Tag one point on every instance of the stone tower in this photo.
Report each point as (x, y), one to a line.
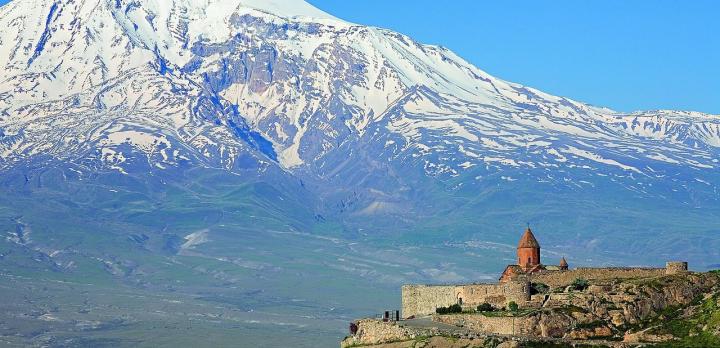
(676, 267)
(528, 251)
(563, 264)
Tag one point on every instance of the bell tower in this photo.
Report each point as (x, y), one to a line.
(528, 251)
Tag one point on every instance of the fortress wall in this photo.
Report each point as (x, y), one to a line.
(424, 299)
(497, 295)
(562, 278)
(418, 300)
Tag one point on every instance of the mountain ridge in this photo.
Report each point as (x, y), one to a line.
(375, 123)
(403, 74)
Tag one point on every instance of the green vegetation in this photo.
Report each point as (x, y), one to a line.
(580, 284)
(559, 290)
(456, 308)
(539, 288)
(513, 306)
(656, 283)
(694, 330)
(486, 307)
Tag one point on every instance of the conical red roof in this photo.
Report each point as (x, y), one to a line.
(563, 262)
(528, 240)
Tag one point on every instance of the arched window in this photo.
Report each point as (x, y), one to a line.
(529, 262)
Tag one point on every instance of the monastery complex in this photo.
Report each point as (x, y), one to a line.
(515, 283)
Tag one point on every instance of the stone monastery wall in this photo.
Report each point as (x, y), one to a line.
(419, 300)
(562, 278)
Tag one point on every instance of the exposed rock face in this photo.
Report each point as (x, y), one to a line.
(371, 331)
(489, 325)
(631, 302)
(447, 342)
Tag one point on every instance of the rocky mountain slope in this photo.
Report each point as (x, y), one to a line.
(307, 86)
(377, 126)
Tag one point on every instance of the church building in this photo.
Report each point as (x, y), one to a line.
(528, 259)
(515, 282)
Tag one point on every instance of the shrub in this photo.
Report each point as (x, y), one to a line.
(456, 308)
(539, 288)
(485, 307)
(580, 284)
(513, 306)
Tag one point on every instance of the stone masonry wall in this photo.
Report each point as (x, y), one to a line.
(420, 300)
(562, 278)
(497, 295)
(676, 267)
(423, 299)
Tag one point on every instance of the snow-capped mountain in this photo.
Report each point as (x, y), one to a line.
(163, 159)
(131, 85)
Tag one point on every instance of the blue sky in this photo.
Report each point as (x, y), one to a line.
(627, 55)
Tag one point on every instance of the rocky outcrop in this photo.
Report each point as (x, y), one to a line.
(627, 312)
(371, 331)
(448, 342)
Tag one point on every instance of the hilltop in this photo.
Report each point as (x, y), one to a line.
(681, 310)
